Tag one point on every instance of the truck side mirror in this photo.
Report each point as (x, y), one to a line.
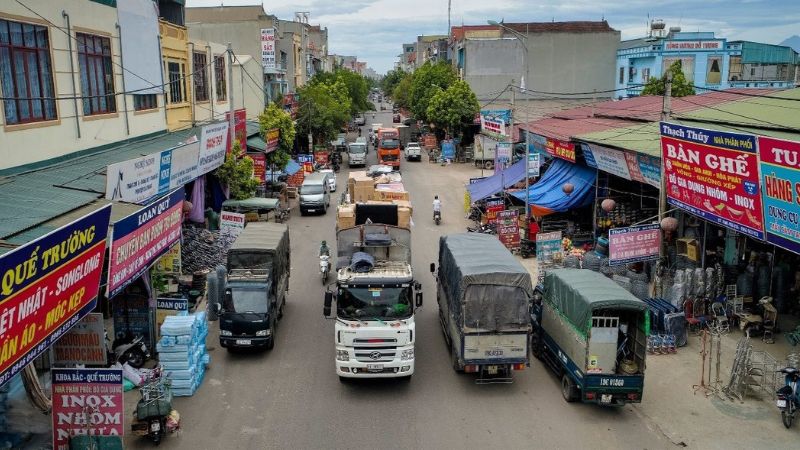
(433, 267)
(417, 286)
(326, 309)
(419, 299)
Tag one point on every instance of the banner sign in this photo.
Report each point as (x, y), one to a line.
(231, 223)
(170, 262)
(560, 149)
(47, 286)
(534, 164)
(644, 169)
(493, 126)
(169, 307)
(239, 129)
(681, 46)
(609, 160)
(259, 166)
(548, 246)
(213, 140)
(508, 228)
(268, 49)
(307, 161)
(502, 156)
(448, 150)
(143, 237)
(322, 157)
(633, 244)
(714, 175)
(140, 179)
(494, 206)
(86, 401)
(83, 344)
(475, 180)
(273, 140)
(780, 172)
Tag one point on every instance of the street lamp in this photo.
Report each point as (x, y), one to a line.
(523, 39)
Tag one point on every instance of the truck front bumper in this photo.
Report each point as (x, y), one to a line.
(244, 342)
(386, 369)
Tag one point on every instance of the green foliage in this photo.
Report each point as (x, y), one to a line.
(453, 107)
(400, 95)
(427, 80)
(357, 87)
(680, 87)
(237, 173)
(324, 108)
(275, 117)
(391, 79)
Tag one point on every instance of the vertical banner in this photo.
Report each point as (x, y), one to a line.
(502, 156)
(508, 228)
(633, 244)
(780, 178)
(141, 238)
(239, 129)
(86, 401)
(448, 150)
(273, 140)
(213, 140)
(548, 246)
(268, 49)
(83, 344)
(231, 223)
(714, 175)
(534, 164)
(494, 206)
(259, 166)
(47, 286)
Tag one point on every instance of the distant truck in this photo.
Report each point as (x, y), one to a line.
(484, 297)
(405, 135)
(389, 147)
(254, 293)
(357, 153)
(593, 334)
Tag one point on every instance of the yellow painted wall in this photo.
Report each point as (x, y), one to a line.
(174, 48)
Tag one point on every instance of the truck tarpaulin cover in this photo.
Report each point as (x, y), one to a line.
(258, 244)
(362, 262)
(577, 293)
(547, 196)
(496, 183)
(481, 275)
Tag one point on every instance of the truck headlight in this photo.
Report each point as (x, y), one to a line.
(225, 333)
(263, 333)
(406, 355)
(342, 355)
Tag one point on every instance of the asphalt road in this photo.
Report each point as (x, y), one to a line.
(290, 397)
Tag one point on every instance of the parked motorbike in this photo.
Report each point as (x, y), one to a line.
(127, 349)
(527, 248)
(437, 217)
(788, 401)
(324, 267)
(485, 228)
(154, 415)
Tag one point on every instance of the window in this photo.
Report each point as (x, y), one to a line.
(735, 70)
(200, 78)
(621, 75)
(645, 74)
(177, 83)
(219, 76)
(142, 102)
(26, 73)
(714, 73)
(97, 74)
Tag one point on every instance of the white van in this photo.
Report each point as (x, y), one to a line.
(315, 194)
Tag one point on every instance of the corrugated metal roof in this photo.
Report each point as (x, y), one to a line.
(564, 129)
(766, 112)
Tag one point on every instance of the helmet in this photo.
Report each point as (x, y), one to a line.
(436, 197)
(324, 243)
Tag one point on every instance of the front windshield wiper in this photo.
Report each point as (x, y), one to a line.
(251, 312)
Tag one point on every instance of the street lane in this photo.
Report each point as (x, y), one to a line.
(291, 397)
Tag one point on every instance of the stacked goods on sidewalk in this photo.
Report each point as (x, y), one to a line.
(384, 189)
(182, 351)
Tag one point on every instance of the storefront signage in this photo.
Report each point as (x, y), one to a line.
(494, 206)
(268, 49)
(560, 149)
(83, 344)
(169, 307)
(644, 169)
(213, 139)
(714, 175)
(141, 179)
(170, 262)
(494, 122)
(307, 161)
(534, 164)
(259, 166)
(508, 228)
(502, 156)
(86, 401)
(609, 160)
(231, 223)
(273, 139)
(780, 172)
(322, 157)
(678, 46)
(47, 286)
(633, 244)
(141, 238)
(239, 128)
(548, 246)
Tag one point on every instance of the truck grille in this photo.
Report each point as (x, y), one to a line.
(375, 354)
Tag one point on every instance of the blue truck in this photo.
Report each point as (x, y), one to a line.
(593, 334)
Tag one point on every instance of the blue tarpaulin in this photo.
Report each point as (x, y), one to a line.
(547, 195)
(496, 183)
(292, 167)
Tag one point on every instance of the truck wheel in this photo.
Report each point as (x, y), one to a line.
(568, 389)
(536, 346)
(212, 296)
(271, 342)
(454, 359)
(488, 165)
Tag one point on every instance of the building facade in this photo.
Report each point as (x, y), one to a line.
(706, 61)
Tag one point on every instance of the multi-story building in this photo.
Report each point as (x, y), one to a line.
(408, 59)
(706, 61)
(563, 57)
(428, 48)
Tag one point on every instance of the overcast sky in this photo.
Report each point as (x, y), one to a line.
(374, 30)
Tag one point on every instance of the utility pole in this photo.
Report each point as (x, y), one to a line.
(662, 194)
(448, 17)
(231, 119)
(527, 163)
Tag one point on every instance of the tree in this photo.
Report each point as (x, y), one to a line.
(324, 108)
(453, 107)
(680, 87)
(357, 87)
(275, 117)
(237, 173)
(401, 91)
(427, 80)
(390, 80)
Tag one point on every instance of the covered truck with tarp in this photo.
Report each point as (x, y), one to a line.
(484, 297)
(593, 334)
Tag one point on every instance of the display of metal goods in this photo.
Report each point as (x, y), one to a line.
(203, 250)
(622, 214)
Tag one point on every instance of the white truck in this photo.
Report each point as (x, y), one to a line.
(357, 153)
(376, 300)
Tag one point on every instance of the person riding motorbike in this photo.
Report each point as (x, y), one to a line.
(324, 250)
(437, 205)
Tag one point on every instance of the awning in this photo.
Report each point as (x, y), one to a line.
(497, 182)
(292, 167)
(256, 143)
(250, 204)
(547, 196)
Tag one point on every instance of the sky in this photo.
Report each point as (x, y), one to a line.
(374, 30)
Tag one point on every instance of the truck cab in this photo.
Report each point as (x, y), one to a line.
(357, 154)
(389, 147)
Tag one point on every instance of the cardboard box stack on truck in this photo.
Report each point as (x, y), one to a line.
(484, 297)
(253, 293)
(389, 147)
(593, 334)
(376, 299)
(381, 190)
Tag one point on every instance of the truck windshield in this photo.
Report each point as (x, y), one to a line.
(247, 300)
(390, 143)
(374, 303)
(495, 308)
(357, 149)
(307, 189)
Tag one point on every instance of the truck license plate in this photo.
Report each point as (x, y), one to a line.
(492, 370)
(312, 210)
(781, 403)
(243, 342)
(605, 398)
(155, 426)
(374, 367)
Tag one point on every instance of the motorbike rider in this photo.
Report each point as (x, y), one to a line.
(437, 205)
(324, 250)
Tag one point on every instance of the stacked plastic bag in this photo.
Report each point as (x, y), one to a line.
(182, 351)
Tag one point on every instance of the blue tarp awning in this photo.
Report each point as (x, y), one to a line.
(496, 183)
(292, 167)
(547, 196)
